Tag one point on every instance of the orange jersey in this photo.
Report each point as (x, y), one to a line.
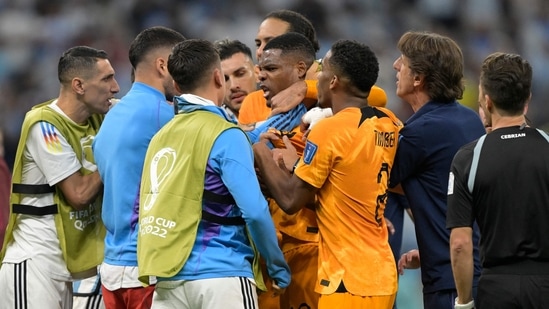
(348, 157)
(254, 107)
(301, 225)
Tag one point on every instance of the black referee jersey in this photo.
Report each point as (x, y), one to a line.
(502, 182)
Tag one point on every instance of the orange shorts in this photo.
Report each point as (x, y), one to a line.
(348, 300)
(302, 257)
(266, 300)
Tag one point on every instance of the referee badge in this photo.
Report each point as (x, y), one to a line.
(451, 184)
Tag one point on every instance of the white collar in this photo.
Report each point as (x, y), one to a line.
(194, 99)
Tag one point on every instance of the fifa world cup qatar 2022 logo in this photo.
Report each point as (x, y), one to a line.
(161, 166)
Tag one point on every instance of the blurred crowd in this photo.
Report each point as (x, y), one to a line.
(33, 34)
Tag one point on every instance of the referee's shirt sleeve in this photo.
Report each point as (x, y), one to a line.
(460, 200)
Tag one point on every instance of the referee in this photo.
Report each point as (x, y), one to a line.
(501, 181)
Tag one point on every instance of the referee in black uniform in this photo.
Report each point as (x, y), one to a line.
(501, 182)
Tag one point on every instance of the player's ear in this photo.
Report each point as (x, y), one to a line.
(219, 78)
(161, 65)
(302, 69)
(334, 82)
(77, 85)
(177, 88)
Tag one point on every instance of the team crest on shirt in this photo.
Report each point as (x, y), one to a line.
(309, 152)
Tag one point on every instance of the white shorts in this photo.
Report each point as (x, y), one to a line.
(87, 294)
(227, 293)
(88, 302)
(24, 285)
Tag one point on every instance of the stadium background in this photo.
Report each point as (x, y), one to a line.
(33, 34)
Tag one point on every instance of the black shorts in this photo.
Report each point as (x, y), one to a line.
(504, 291)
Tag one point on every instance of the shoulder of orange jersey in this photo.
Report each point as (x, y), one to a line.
(254, 108)
(377, 97)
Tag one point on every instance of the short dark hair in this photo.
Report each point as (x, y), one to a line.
(507, 79)
(191, 63)
(150, 39)
(293, 43)
(355, 61)
(298, 23)
(439, 59)
(78, 61)
(227, 48)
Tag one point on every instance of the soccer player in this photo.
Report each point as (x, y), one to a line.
(119, 149)
(55, 234)
(255, 107)
(285, 60)
(238, 69)
(201, 207)
(346, 165)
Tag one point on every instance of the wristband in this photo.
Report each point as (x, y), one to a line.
(469, 305)
(295, 165)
